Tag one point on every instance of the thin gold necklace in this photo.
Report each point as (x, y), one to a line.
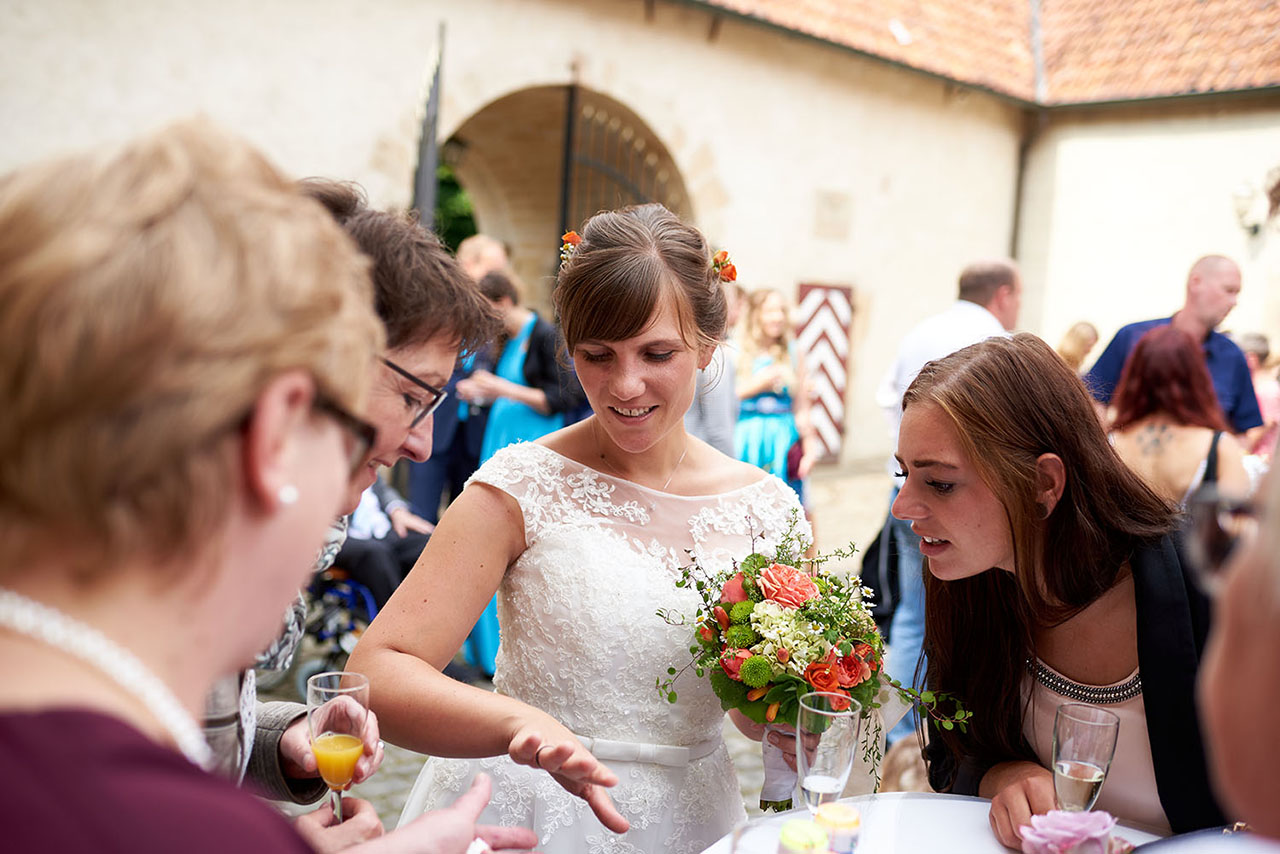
(605, 460)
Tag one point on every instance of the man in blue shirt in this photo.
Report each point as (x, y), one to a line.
(1213, 286)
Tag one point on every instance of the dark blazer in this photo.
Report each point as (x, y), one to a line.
(1173, 624)
(543, 369)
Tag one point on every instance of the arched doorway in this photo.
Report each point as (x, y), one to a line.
(510, 157)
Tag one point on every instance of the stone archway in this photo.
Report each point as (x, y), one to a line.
(509, 156)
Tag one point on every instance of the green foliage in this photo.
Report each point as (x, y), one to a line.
(731, 692)
(455, 218)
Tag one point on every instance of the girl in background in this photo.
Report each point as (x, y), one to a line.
(773, 431)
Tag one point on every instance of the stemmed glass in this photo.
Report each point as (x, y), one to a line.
(1220, 521)
(827, 727)
(337, 708)
(1084, 741)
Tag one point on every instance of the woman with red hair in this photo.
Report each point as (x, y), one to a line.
(1168, 426)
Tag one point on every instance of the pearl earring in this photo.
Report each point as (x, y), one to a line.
(287, 494)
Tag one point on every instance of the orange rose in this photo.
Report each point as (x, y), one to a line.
(787, 586)
(571, 237)
(821, 676)
(720, 257)
(851, 670)
(856, 667)
(728, 273)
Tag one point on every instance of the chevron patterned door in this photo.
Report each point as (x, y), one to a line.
(823, 321)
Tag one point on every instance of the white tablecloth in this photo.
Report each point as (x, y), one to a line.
(902, 822)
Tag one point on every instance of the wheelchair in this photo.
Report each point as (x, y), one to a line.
(339, 609)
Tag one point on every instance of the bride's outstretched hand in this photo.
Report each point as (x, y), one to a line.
(572, 766)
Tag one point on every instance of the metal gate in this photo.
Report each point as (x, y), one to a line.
(611, 160)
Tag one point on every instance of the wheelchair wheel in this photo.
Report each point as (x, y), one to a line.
(306, 670)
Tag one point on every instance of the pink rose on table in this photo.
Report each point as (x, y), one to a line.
(1061, 832)
(732, 660)
(787, 586)
(733, 591)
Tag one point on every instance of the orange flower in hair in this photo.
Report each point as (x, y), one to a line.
(726, 271)
(569, 243)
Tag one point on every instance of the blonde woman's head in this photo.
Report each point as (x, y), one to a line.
(147, 296)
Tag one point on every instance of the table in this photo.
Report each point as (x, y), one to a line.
(902, 822)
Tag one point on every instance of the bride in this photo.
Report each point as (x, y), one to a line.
(581, 534)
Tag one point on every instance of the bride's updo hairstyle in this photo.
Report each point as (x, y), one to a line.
(629, 260)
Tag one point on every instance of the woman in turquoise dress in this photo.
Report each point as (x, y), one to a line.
(774, 414)
(531, 392)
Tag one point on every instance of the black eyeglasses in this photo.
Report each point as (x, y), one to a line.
(364, 433)
(420, 408)
(1220, 525)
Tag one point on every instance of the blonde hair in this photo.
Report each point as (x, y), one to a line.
(147, 296)
(1076, 344)
(753, 343)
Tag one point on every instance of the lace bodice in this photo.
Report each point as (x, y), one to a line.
(581, 638)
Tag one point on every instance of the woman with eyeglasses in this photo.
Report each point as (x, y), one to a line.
(430, 310)
(1053, 574)
(184, 341)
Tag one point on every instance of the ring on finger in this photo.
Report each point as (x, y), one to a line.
(537, 752)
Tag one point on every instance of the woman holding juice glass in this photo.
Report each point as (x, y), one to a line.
(184, 343)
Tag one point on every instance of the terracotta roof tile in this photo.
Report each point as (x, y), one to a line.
(981, 42)
(1094, 50)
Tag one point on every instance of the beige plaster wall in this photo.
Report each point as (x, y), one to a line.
(811, 164)
(1121, 201)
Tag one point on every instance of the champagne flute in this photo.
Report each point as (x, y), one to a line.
(1220, 522)
(827, 727)
(337, 708)
(1084, 741)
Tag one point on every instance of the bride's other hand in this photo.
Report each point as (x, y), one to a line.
(572, 766)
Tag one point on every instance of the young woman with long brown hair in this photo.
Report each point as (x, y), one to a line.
(1051, 575)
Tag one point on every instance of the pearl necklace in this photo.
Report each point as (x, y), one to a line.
(605, 460)
(50, 626)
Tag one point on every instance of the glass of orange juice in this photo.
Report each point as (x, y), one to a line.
(337, 708)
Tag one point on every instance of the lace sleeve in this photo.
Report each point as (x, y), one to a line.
(532, 475)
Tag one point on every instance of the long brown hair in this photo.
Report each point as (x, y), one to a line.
(1166, 373)
(1013, 400)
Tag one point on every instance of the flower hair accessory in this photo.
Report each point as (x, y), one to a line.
(569, 246)
(720, 263)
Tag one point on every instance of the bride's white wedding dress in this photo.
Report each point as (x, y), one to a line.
(581, 640)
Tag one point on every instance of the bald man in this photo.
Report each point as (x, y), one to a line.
(1213, 286)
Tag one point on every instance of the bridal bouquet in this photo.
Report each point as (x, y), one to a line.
(776, 627)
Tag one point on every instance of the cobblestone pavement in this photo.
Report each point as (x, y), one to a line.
(848, 504)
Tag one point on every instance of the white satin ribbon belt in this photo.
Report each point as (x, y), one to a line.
(655, 754)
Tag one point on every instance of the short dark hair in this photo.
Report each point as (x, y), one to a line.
(420, 291)
(627, 261)
(981, 279)
(496, 284)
